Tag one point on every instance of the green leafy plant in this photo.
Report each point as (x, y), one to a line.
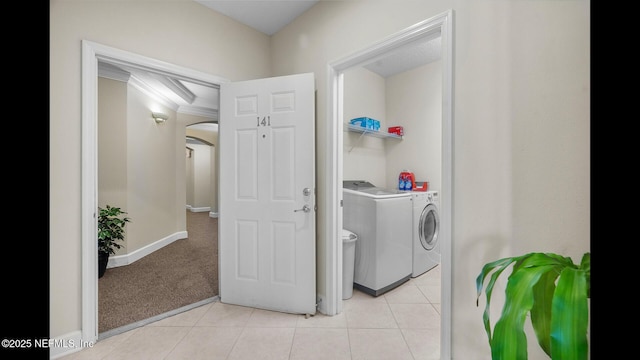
(554, 291)
(111, 224)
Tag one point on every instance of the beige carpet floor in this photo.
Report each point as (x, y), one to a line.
(180, 274)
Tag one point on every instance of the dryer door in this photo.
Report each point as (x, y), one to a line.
(429, 227)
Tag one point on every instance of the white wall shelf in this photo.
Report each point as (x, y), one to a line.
(369, 132)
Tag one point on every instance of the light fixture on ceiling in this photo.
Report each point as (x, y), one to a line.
(159, 117)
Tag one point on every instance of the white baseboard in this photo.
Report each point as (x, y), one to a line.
(198, 209)
(121, 260)
(213, 214)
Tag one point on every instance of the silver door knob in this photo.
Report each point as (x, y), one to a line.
(305, 208)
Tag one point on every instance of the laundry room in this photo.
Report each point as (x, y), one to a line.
(393, 129)
(403, 90)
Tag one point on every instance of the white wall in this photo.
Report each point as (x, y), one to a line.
(189, 174)
(112, 145)
(201, 176)
(414, 101)
(135, 164)
(521, 125)
(151, 173)
(364, 156)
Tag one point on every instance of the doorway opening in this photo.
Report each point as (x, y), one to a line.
(92, 54)
(438, 26)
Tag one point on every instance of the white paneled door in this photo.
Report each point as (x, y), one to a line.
(267, 194)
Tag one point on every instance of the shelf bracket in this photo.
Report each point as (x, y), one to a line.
(357, 141)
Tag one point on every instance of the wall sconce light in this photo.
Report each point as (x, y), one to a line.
(159, 117)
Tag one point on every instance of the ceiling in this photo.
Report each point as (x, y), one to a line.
(265, 16)
(191, 97)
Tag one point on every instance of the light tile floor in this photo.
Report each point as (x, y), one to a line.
(403, 323)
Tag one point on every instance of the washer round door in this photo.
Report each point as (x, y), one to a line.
(429, 227)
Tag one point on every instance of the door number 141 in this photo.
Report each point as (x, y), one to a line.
(266, 121)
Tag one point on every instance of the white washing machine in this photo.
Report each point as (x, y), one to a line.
(382, 219)
(426, 231)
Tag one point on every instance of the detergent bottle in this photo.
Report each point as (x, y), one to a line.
(401, 182)
(407, 181)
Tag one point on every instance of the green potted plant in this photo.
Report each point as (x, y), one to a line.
(554, 291)
(111, 224)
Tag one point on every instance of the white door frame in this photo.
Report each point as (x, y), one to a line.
(91, 54)
(442, 23)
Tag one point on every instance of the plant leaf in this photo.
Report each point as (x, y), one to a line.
(509, 340)
(541, 310)
(501, 265)
(531, 288)
(569, 316)
(585, 265)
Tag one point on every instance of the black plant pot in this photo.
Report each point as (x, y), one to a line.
(103, 259)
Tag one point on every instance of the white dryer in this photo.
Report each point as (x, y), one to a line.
(426, 230)
(382, 219)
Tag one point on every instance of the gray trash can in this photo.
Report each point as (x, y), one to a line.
(348, 262)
